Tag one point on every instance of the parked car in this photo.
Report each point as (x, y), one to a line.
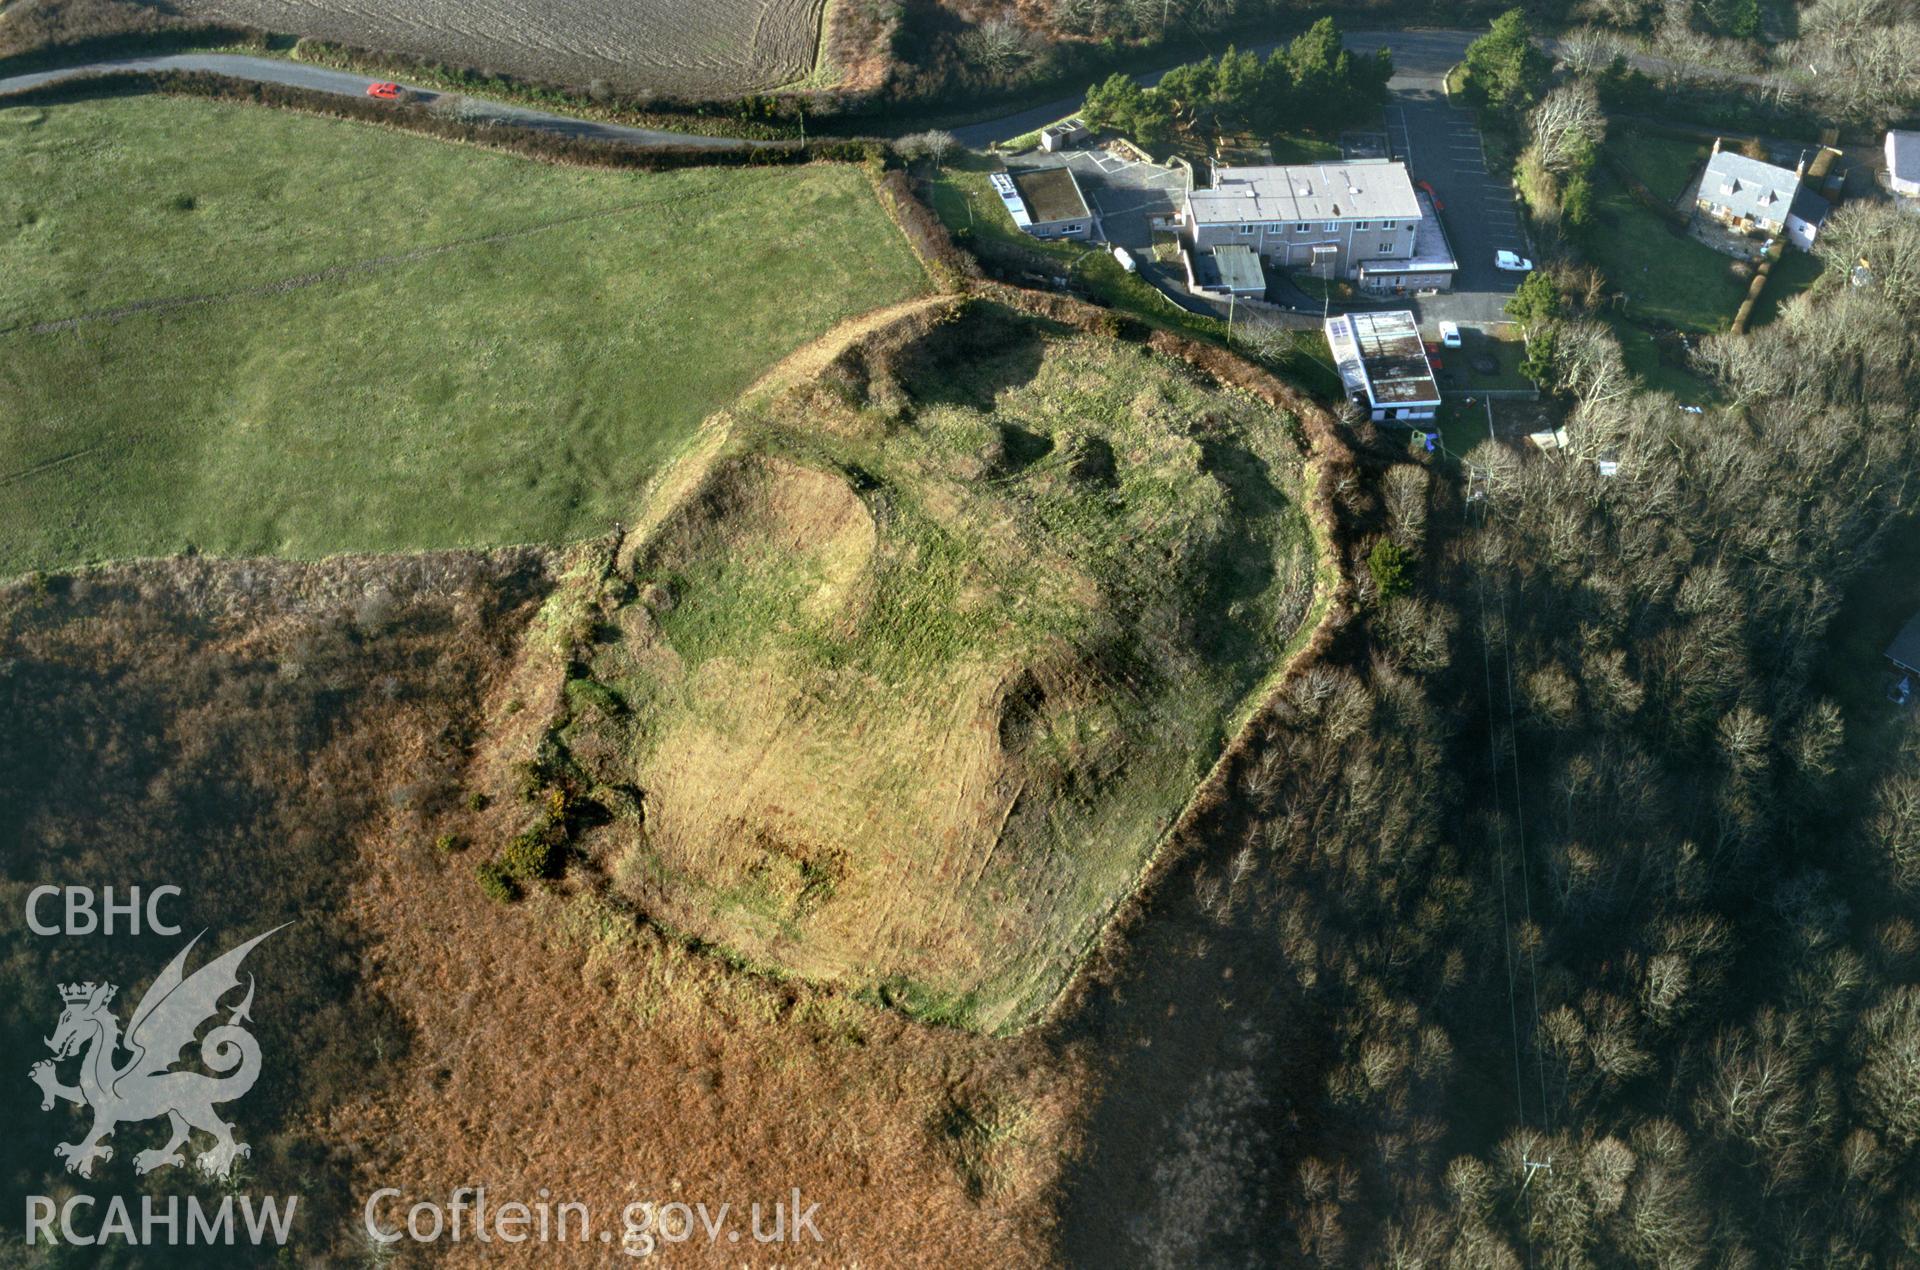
(1450, 334)
(385, 92)
(1512, 263)
(1427, 189)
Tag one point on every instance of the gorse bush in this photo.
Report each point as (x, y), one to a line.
(494, 883)
(528, 856)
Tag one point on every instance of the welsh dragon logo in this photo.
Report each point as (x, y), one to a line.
(145, 1086)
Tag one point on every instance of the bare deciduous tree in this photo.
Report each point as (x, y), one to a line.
(933, 145)
(1587, 51)
(1888, 1084)
(1567, 124)
(999, 44)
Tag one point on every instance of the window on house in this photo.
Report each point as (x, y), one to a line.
(1386, 247)
(1360, 224)
(1333, 226)
(1300, 229)
(1246, 229)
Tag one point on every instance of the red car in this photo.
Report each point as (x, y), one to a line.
(385, 92)
(1438, 206)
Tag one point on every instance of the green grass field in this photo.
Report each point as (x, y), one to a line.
(1662, 366)
(504, 350)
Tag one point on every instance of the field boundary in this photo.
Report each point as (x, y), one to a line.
(823, 75)
(502, 136)
(666, 114)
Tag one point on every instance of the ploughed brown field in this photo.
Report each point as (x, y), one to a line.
(691, 48)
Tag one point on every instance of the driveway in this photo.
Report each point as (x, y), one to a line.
(1441, 146)
(348, 84)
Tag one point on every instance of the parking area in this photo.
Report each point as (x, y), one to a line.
(1441, 146)
(1126, 192)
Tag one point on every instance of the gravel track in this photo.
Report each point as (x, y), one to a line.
(703, 48)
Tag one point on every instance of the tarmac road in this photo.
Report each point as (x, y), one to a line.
(1421, 59)
(348, 84)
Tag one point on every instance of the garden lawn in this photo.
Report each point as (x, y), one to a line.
(494, 350)
(1664, 164)
(1667, 277)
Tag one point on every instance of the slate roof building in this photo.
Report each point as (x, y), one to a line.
(1904, 652)
(1749, 194)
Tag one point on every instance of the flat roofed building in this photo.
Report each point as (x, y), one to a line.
(1431, 266)
(1229, 270)
(1383, 364)
(1322, 218)
(1054, 206)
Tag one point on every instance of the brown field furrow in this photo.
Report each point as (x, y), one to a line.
(682, 47)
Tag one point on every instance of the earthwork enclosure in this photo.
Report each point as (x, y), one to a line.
(905, 671)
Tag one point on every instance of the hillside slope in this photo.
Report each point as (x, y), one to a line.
(906, 669)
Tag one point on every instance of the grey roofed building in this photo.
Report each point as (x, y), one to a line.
(1903, 162)
(1735, 188)
(1229, 270)
(1904, 651)
(1354, 189)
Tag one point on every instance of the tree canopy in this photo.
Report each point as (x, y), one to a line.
(1504, 67)
(1313, 84)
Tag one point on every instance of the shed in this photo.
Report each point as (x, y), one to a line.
(1904, 651)
(1064, 135)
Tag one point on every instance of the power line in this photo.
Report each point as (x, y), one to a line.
(1500, 862)
(1520, 828)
